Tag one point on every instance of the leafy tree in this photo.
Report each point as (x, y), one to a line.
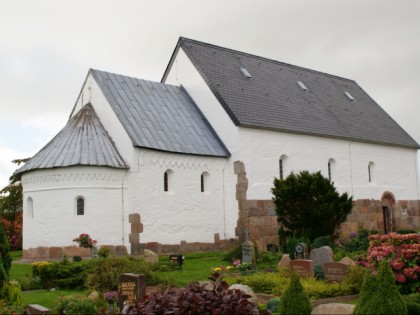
(5, 257)
(307, 204)
(11, 203)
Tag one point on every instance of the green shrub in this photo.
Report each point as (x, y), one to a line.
(358, 243)
(12, 293)
(379, 294)
(291, 243)
(106, 271)
(233, 254)
(319, 272)
(295, 301)
(273, 305)
(103, 252)
(322, 241)
(406, 231)
(5, 257)
(413, 297)
(269, 257)
(354, 279)
(264, 282)
(412, 308)
(77, 258)
(84, 307)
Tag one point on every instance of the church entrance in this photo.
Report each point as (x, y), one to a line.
(387, 202)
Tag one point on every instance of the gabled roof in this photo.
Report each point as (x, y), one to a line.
(273, 99)
(159, 116)
(83, 141)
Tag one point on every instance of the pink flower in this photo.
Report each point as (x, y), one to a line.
(397, 265)
(400, 278)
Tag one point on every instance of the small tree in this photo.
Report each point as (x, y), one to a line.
(307, 204)
(11, 204)
(294, 300)
(379, 294)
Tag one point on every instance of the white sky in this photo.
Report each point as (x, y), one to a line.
(47, 47)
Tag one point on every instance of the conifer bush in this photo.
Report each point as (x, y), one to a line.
(379, 294)
(294, 300)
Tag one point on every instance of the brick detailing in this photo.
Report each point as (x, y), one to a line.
(368, 214)
(134, 238)
(257, 217)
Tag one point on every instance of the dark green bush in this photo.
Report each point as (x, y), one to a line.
(322, 241)
(106, 271)
(273, 305)
(294, 300)
(77, 258)
(319, 272)
(103, 252)
(354, 279)
(413, 297)
(379, 294)
(233, 254)
(406, 231)
(78, 307)
(5, 257)
(413, 308)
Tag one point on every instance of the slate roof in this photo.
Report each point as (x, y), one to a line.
(272, 98)
(83, 141)
(159, 116)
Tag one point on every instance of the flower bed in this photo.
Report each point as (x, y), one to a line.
(403, 253)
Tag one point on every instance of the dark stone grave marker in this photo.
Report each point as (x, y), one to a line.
(301, 251)
(131, 287)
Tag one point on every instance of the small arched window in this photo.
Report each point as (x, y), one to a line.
(30, 207)
(331, 169)
(282, 162)
(371, 172)
(204, 182)
(167, 180)
(80, 206)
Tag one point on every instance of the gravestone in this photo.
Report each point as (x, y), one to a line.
(321, 255)
(303, 267)
(248, 253)
(131, 287)
(301, 251)
(335, 271)
(347, 261)
(284, 261)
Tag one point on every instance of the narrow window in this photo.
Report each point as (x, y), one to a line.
(329, 171)
(30, 207)
(80, 206)
(281, 168)
(202, 182)
(165, 182)
(371, 172)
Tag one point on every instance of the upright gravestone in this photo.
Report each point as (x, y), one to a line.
(131, 287)
(321, 255)
(301, 251)
(248, 253)
(303, 267)
(335, 271)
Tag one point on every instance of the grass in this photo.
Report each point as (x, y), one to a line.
(49, 298)
(16, 254)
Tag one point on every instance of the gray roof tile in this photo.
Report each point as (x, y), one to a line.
(83, 141)
(272, 99)
(159, 116)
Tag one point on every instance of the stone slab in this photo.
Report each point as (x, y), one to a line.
(335, 271)
(36, 309)
(321, 255)
(334, 308)
(303, 267)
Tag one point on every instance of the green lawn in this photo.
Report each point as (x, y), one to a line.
(49, 298)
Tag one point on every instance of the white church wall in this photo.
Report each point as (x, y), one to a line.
(395, 168)
(50, 216)
(183, 212)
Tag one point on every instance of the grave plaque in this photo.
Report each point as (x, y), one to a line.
(131, 287)
(248, 253)
(301, 251)
(335, 271)
(303, 267)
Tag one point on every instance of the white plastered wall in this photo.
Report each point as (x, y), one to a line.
(53, 219)
(395, 169)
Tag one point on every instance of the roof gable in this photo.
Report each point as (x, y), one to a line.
(273, 99)
(159, 116)
(83, 141)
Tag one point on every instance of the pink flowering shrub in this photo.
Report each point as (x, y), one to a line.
(402, 251)
(84, 240)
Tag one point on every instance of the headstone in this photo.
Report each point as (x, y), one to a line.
(131, 288)
(321, 255)
(301, 251)
(284, 261)
(335, 271)
(347, 261)
(36, 309)
(334, 308)
(150, 256)
(303, 267)
(248, 253)
(245, 290)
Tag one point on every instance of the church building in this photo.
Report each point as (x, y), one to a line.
(188, 163)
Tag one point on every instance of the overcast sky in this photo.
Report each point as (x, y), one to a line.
(47, 48)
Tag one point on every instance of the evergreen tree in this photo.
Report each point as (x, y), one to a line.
(308, 204)
(294, 300)
(379, 294)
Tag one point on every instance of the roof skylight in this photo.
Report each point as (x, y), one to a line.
(349, 96)
(302, 86)
(246, 74)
